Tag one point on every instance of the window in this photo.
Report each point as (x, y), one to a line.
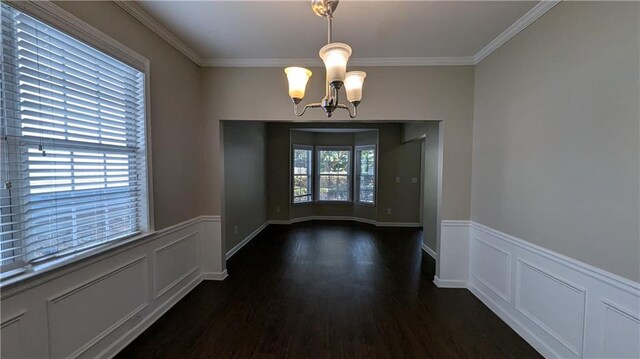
(365, 174)
(73, 151)
(334, 174)
(302, 174)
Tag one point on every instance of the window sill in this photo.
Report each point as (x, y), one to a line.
(22, 275)
(365, 204)
(335, 202)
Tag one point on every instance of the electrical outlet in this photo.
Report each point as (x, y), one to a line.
(414, 179)
(277, 209)
(235, 230)
(397, 179)
(388, 210)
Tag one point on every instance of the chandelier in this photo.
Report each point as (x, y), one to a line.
(335, 56)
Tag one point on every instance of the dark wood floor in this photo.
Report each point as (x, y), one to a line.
(329, 290)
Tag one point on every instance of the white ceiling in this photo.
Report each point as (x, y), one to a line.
(258, 30)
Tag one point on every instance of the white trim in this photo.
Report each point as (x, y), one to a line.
(34, 278)
(574, 322)
(210, 218)
(455, 223)
(448, 283)
(619, 282)
(527, 19)
(160, 292)
(345, 218)
(215, 275)
(527, 335)
(252, 235)
(124, 340)
(279, 221)
(398, 224)
(136, 11)
(36, 299)
(12, 319)
(429, 251)
(68, 292)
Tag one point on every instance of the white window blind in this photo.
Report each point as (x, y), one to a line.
(73, 162)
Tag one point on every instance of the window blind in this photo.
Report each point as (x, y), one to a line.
(73, 162)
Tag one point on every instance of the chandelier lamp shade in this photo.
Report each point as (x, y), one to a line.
(335, 56)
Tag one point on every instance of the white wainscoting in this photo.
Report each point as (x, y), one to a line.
(453, 268)
(96, 306)
(564, 308)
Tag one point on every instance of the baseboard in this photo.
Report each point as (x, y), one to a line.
(429, 251)
(239, 246)
(446, 283)
(279, 221)
(345, 218)
(128, 337)
(215, 275)
(398, 224)
(529, 337)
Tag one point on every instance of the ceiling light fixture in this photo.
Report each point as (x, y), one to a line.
(335, 56)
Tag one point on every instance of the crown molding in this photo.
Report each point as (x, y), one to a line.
(360, 62)
(137, 12)
(261, 62)
(527, 19)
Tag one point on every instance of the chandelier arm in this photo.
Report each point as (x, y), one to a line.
(355, 110)
(311, 105)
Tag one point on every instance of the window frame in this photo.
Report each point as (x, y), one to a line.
(356, 177)
(311, 176)
(54, 16)
(349, 174)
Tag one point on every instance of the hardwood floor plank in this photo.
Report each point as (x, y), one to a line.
(329, 290)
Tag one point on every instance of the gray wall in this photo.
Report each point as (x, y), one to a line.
(556, 135)
(245, 178)
(427, 133)
(176, 117)
(395, 159)
(430, 183)
(417, 93)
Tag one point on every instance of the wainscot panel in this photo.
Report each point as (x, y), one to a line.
(94, 307)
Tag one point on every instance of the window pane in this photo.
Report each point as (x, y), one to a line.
(301, 161)
(302, 175)
(366, 170)
(367, 162)
(301, 188)
(367, 188)
(334, 188)
(334, 162)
